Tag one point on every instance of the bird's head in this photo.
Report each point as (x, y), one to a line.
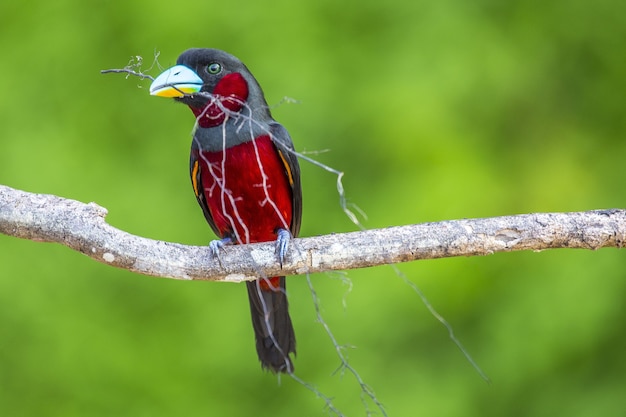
(211, 82)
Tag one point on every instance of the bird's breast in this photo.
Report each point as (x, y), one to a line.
(246, 189)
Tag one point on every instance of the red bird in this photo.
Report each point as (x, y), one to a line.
(245, 176)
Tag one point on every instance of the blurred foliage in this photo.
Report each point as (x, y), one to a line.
(433, 109)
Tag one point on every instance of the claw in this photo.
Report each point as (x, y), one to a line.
(282, 244)
(216, 245)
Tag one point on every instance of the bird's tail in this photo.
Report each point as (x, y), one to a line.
(273, 331)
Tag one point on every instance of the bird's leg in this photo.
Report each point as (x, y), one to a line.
(282, 244)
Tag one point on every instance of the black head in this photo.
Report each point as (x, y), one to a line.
(214, 66)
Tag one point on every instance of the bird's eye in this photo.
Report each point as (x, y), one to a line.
(214, 68)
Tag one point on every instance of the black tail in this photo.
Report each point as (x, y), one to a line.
(273, 331)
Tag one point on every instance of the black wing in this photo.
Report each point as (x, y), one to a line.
(286, 150)
(198, 190)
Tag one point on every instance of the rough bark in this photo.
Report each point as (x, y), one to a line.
(82, 227)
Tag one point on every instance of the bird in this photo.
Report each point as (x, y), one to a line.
(245, 175)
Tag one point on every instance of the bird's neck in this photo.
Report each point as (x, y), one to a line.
(229, 96)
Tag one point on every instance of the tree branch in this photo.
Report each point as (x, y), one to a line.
(82, 227)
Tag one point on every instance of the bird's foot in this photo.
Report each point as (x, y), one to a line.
(216, 245)
(282, 244)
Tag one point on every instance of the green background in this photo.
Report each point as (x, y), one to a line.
(434, 110)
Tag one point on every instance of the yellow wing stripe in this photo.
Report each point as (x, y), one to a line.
(194, 177)
(287, 167)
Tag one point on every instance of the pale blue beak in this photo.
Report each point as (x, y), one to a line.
(176, 82)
